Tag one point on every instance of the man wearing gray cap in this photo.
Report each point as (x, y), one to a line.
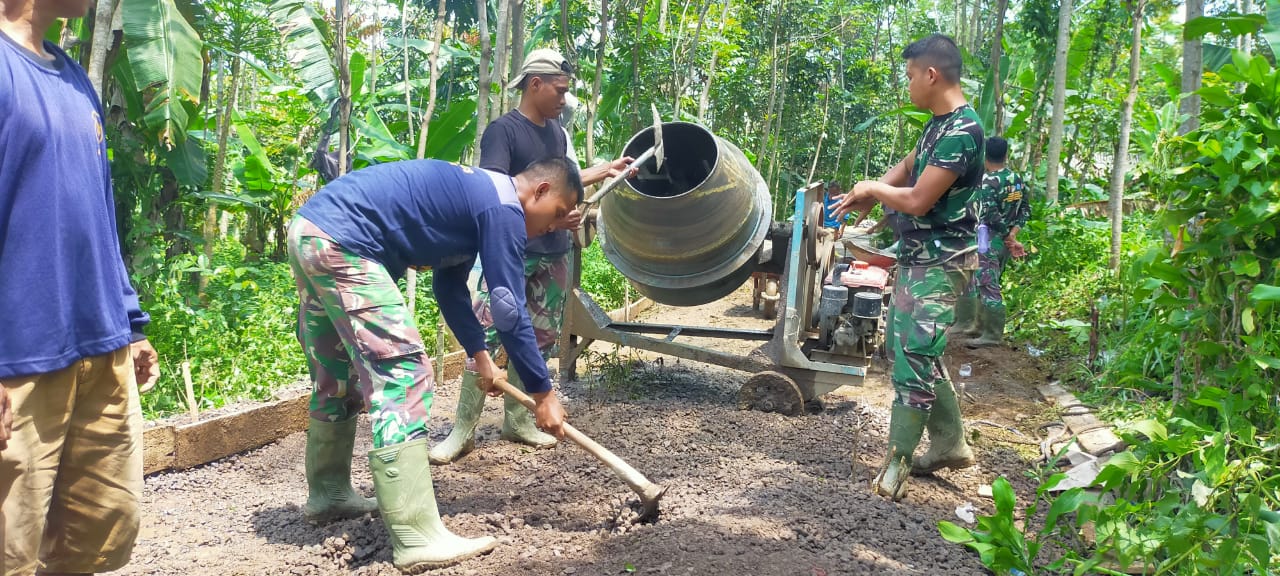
(519, 138)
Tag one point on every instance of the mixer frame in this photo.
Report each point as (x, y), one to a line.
(789, 374)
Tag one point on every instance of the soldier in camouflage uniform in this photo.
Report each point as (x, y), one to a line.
(524, 135)
(1004, 208)
(932, 190)
(347, 247)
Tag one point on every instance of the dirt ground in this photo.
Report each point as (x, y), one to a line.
(750, 493)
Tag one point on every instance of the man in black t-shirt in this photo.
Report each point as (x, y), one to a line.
(509, 144)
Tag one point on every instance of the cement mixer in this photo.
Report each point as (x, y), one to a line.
(695, 230)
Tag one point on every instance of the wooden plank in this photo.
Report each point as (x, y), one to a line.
(157, 449)
(222, 436)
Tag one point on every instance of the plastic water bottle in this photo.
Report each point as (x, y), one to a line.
(984, 239)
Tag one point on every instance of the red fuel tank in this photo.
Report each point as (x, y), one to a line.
(864, 275)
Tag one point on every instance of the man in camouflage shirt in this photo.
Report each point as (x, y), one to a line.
(933, 191)
(1003, 207)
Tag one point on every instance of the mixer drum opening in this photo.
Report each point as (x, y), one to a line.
(689, 233)
(690, 153)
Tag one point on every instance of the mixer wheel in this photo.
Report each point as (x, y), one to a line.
(771, 392)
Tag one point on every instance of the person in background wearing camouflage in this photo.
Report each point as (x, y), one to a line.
(347, 246)
(933, 191)
(1003, 207)
(524, 135)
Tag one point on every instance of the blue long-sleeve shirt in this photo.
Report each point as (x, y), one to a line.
(64, 291)
(437, 214)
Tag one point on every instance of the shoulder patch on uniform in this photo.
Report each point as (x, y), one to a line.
(505, 309)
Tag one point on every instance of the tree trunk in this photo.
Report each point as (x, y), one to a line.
(767, 124)
(705, 101)
(635, 68)
(693, 59)
(517, 47)
(501, 49)
(997, 54)
(1119, 167)
(566, 47)
(344, 85)
(219, 169)
(595, 83)
(411, 277)
(103, 35)
(826, 109)
(408, 92)
(437, 38)
(486, 53)
(1246, 40)
(1037, 122)
(1192, 71)
(1059, 101)
(662, 17)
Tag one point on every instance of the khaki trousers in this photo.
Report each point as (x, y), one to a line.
(72, 473)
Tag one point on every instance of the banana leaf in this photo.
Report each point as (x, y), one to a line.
(165, 65)
(307, 48)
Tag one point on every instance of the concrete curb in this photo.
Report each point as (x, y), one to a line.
(182, 446)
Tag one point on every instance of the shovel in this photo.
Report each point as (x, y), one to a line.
(656, 152)
(648, 492)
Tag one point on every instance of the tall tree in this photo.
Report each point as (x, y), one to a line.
(1120, 166)
(501, 49)
(437, 38)
(593, 105)
(483, 79)
(344, 84)
(517, 47)
(705, 99)
(1192, 71)
(997, 54)
(103, 34)
(1059, 101)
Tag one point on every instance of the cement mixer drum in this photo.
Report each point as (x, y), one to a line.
(688, 234)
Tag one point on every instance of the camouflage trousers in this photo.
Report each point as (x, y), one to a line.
(352, 315)
(545, 282)
(924, 305)
(990, 268)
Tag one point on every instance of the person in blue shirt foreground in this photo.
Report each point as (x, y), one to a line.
(73, 358)
(347, 246)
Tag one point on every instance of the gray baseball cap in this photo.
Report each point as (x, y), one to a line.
(542, 61)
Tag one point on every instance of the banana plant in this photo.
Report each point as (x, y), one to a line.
(160, 69)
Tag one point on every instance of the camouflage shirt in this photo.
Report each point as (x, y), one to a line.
(1002, 203)
(955, 142)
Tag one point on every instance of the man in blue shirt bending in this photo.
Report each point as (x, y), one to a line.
(347, 247)
(72, 353)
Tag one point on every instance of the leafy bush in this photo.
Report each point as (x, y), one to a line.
(1199, 338)
(239, 340)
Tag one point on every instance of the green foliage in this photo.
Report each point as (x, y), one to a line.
(239, 341)
(1001, 545)
(160, 70)
(1197, 335)
(600, 279)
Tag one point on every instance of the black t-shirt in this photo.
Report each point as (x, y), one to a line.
(509, 145)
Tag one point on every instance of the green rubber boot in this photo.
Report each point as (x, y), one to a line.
(462, 439)
(518, 424)
(328, 464)
(948, 447)
(407, 499)
(992, 328)
(906, 425)
(967, 309)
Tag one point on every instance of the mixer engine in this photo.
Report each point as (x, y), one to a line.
(851, 310)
